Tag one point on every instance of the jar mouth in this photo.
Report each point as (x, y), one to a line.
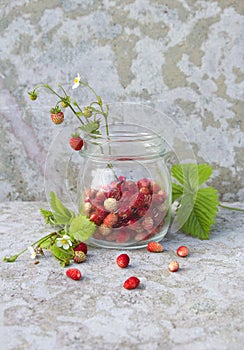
(128, 141)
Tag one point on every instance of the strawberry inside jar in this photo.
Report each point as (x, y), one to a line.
(127, 211)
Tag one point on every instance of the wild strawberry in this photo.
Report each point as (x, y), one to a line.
(76, 143)
(155, 247)
(147, 224)
(74, 273)
(155, 187)
(182, 251)
(81, 246)
(173, 266)
(131, 283)
(121, 178)
(110, 220)
(79, 256)
(141, 236)
(104, 230)
(124, 211)
(110, 204)
(57, 115)
(123, 260)
(115, 193)
(96, 218)
(100, 197)
(144, 190)
(143, 183)
(87, 208)
(122, 237)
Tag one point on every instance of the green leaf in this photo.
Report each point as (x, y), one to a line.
(204, 173)
(191, 175)
(61, 214)
(91, 127)
(198, 206)
(177, 191)
(64, 256)
(48, 216)
(81, 228)
(203, 214)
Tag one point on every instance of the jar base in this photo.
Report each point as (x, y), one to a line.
(129, 245)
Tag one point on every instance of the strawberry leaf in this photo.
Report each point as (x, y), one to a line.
(62, 215)
(81, 228)
(198, 207)
(202, 216)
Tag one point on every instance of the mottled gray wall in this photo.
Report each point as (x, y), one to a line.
(185, 56)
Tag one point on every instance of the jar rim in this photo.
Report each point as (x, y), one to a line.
(150, 144)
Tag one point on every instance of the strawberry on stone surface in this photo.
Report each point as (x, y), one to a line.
(74, 274)
(155, 247)
(131, 283)
(81, 246)
(123, 260)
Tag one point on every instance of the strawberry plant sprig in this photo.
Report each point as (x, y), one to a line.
(187, 193)
(70, 231)
(88, 116)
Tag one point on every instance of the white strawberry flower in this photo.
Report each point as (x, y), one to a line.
(76, 81)
(32, 251)
(64, 242)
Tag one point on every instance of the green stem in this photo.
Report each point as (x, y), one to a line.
(230, 208)
(13, 258)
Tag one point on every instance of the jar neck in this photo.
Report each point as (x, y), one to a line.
(124, 141)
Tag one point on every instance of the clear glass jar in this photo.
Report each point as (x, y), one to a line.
(125, 187)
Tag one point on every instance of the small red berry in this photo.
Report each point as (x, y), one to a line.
(173, 266)
(76, 143)
(131, 283)
(74, 274)
(110, 220)
(182, 251)
(57, 118)
(155, 247)
(122, 237)
(123, 260)
(81, 246)
(143, 183)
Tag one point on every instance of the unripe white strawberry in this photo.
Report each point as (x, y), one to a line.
(110, 204)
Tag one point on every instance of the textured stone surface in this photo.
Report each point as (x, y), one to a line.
(183, 56)
(199, 307)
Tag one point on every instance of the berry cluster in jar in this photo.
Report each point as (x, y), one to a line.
(126, 210)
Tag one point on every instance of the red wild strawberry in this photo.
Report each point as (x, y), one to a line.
(74, 274)
(57, 118)
(123, 260)
(182, 251)
(147, 224)
(143, 183)
(155, 247)
(110, 220)
(81, 246)
(76, 143)
(131, 283)
(122, 237)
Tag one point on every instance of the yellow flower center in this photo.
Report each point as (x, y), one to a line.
(76, 80)
(64, 241)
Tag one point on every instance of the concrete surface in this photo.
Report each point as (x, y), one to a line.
(200, 307)
(185, 56)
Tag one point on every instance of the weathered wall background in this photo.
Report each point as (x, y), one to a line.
(185, 56)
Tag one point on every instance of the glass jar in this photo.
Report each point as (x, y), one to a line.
(125, 187)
